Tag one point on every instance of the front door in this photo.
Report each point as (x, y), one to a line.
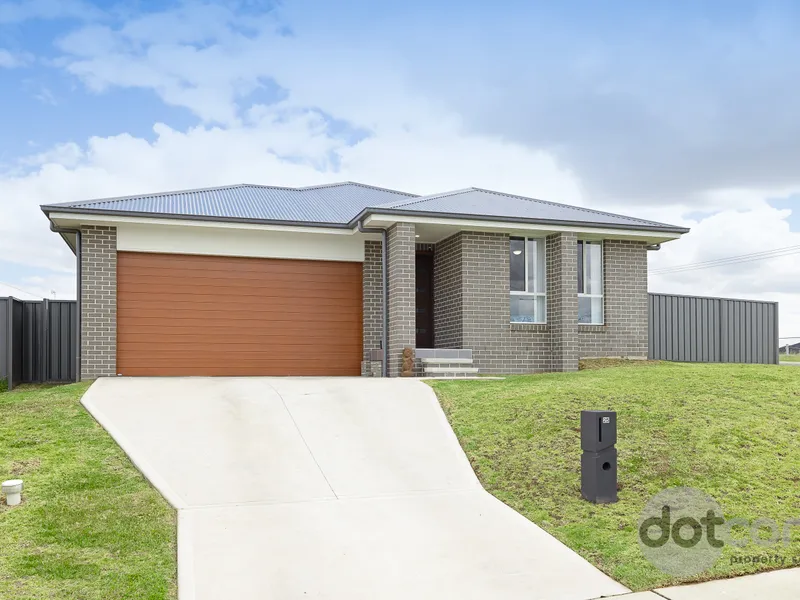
(424, 300)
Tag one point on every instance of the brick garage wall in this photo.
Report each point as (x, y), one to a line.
(98, 301)
(373, 301)
(447, 296)
(402, 293)
(497, 345)
(625, 289)
(561, 252)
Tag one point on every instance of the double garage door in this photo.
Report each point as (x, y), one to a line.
(214, 315)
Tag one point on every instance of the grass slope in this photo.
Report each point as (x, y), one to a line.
(730, 430)
(89, 526)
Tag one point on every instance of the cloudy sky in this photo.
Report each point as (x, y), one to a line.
(680, 111)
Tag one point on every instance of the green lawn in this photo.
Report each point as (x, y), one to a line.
(730, 430)
(89, 526)
(790, 357)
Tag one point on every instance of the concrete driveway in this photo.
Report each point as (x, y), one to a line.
(343, 488)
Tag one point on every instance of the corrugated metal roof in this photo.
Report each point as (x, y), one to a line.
(340, 203)
(486, 203)
(335, 204)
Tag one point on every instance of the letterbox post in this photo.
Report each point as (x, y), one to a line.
(599, 459)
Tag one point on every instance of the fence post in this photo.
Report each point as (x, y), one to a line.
(44, 349)
(9, 343)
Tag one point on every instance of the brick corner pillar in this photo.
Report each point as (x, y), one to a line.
(401, 271)
(562, 300)
(373, 305)
(98, 301)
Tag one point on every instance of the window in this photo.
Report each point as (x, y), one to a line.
(590, 283)
(528, 297)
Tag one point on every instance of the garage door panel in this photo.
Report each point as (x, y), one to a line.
(234, 301)
(232, 276)
(246, 347)
(278, 311)
(220, 264)
(243, 368)
(205, 315)
(241, 284)
(186, 327)
(289, 318)
(286, 364)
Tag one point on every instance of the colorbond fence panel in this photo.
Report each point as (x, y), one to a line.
(38, 341)
(701, 329)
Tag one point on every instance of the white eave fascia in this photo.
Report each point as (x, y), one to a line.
(74, 219)
(651, 236)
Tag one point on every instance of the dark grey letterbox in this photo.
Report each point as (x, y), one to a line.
(599, 459)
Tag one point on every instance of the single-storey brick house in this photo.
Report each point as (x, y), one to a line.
(260, 280)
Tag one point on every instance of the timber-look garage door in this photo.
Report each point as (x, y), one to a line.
(216, 315)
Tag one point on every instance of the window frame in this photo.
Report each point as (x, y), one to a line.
(543, 245)
(582, 275)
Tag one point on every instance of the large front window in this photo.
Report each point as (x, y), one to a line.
(590, 283)
(528, 297)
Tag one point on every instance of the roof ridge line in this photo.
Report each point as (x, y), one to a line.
(561, 205)
(419, 199)
(377, 187)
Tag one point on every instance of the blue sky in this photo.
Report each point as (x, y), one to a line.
(683, 112)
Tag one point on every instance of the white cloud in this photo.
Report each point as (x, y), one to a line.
(9, 60)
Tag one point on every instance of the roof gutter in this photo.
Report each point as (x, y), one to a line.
(46, 209)
(78, 295)
(528, 220)
(384, 293)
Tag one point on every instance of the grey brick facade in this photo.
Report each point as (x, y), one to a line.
(497, 347)
(401, 273)
(471, 305)
(373, 300)
(624, 333)
(98, 301)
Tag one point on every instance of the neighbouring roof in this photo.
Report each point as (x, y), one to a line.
(341, 204)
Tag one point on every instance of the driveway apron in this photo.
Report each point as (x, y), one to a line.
(329, 488)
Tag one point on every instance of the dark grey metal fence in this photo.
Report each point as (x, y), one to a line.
(38, 341)
(700, 329)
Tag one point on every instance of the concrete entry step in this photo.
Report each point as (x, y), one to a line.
(451, 370)
(447, 361)
(421, 353)
(458, 371)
